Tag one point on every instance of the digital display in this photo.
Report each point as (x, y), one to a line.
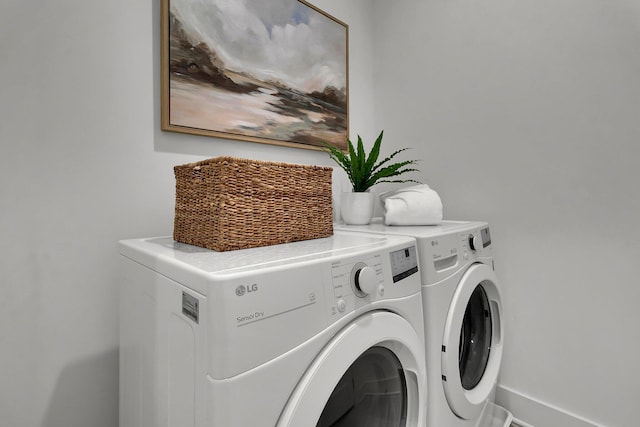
(404, 263)
(486, 237)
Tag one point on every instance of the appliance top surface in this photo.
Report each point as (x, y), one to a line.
(152, 251)
(417, 231)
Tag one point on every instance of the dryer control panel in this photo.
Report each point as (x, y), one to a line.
(360, 282)
(447, 253)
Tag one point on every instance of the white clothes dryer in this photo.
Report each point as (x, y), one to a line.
(464, 326)
(325, 332)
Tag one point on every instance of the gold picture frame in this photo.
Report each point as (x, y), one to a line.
(274, 72)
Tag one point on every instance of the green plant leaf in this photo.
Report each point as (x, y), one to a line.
(398, 181)
(374, 154)
(390, 171)
(388, 159)
(340, 158)
(355, 166)
(361, 168)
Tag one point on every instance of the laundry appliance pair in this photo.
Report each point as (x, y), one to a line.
(463, 321)
(325, 332)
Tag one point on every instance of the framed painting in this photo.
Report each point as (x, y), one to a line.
(272, 71)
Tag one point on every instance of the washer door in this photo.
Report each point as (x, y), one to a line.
(472, 342)
(371, 374)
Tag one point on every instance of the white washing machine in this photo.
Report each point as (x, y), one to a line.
(463, 321)
(325, 332)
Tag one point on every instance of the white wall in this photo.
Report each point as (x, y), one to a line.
(527, 114)
(84, 164)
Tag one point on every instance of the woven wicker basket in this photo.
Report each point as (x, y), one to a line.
(227, 203)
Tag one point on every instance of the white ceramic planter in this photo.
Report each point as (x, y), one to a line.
(357, 208)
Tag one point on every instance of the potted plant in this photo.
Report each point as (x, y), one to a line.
(364, 170)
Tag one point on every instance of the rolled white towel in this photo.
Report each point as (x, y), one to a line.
(415, 205)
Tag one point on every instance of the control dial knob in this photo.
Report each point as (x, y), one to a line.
(474, 242)
(366, 280)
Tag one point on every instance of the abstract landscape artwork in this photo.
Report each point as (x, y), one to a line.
(271, 71)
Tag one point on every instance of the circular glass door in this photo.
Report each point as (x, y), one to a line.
(373, 392)
(475, 339)
(372, 373)
(472, 342)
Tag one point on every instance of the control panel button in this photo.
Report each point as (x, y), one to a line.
(342, 305)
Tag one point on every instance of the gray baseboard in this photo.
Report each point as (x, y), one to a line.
(530, 412)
